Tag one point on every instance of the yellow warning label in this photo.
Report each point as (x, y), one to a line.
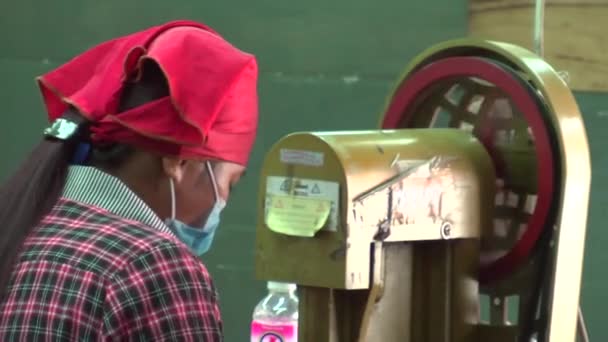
(297, 216)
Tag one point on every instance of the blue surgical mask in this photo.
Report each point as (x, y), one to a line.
(200, 237)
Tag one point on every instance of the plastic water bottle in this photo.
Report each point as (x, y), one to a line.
(275, 318)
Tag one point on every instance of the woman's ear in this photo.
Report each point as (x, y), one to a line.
(174, 168)
(226, 175)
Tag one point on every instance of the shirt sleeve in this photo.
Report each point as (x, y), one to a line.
(163, 295)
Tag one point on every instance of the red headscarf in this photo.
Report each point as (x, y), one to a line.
(212, 108)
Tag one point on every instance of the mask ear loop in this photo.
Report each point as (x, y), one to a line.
(172, 186)
(213, 182)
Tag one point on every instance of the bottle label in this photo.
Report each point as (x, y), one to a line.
(261, 332)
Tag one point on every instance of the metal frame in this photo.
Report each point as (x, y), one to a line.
(562, 287)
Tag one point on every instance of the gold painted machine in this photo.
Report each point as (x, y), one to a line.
(461, 218)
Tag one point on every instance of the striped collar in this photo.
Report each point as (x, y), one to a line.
(94, 187)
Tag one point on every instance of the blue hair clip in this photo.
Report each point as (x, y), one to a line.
(82, 154)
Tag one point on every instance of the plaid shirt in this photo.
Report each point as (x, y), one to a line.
(101, 266)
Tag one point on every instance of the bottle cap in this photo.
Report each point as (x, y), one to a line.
(282, 287)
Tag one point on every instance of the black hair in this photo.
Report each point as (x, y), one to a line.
(151, 85)
(34, 188)
(31, 192)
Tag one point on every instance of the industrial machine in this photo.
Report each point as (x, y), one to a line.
(462, 217)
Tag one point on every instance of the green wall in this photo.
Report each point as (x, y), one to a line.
(325, 65)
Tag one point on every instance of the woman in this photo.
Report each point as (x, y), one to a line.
(103, 223)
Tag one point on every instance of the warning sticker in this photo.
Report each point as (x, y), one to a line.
(300, 188)
(297, 216)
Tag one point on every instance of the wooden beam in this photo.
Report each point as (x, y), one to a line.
(575, 34)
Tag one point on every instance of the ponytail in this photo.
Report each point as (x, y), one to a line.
(31, 192)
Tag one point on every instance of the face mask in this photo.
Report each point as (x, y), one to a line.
(199, 238)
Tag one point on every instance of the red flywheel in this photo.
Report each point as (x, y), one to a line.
(507, 115)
